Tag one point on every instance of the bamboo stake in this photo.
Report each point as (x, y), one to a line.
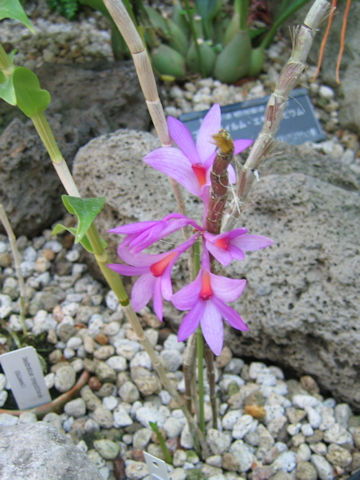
(302, 43)
(146, 78)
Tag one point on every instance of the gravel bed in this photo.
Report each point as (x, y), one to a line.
(271, 426)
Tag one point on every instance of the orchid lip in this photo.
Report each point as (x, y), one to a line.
(206, 290)
(158, 268)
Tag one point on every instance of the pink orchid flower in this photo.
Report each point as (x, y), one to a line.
(206, 298)
(230, 246)
(154, 281)
(141, 235)
(190, 164)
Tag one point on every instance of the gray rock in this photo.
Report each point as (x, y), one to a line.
(147, 382)
(142, 438)
(64, 378)
(37, 451)
(89, 397)
(218, 442)
(243, 454)
(75, 408)
(103, 416)
(303, 200)
(107, 448)
(105, 372)
(77, 112)
(121, 417)
(136, 470)
(286, 462)
(338, 456)
(5, 306)
(306, 471)
(323, 467)
(128, 392)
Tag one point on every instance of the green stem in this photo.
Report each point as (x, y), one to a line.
(193, 33)
(281, 19)
(244, 13)
(45, 133)
(167, 454)
(199, 347)
(200, 362)
(102, 259)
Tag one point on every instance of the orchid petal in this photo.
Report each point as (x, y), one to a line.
(230, 315)
(127, 270)
(183, 139)
(157, 299)
(231, 174)
(139, 259)
(223, 256)
(251, 242)
(211, 124)
(132, 227)
(227, 289)
(176, 165)
(212, 327)
(166, 286)
(191, 321)
(242, 144)
(236, 253)
(142, 291)
(185, 298)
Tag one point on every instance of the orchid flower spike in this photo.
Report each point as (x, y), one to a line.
(154, 281)
(141, 235)
(190, 164)
(230, 246)
(206, 298)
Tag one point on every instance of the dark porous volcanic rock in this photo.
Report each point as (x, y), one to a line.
(86, 102)
(38, 451)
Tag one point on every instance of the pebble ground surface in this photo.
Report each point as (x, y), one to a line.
(271, 426)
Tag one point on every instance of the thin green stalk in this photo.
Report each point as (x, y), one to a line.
(243, 6)
(199, 348)
(200, 363)
(193, 33)
(167, 454)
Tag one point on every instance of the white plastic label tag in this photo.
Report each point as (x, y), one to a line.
(157, 468)
(23, 371)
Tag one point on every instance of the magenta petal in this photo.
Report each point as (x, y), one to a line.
(185, 298)
(231, 174)
(176, 165)
(127, 269)
(227, 289)
(142, 291)
(211, 124)
(138, 259)
(157, 299)
(183, 139)
(166, 286)
(223, 256)
(242, 144)
(236, 253)
(191, 321)
(230, 315)
(212, 327)
(251, 242)
(132, 228)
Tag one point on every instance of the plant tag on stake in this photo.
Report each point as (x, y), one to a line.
(23, 371)
(157, 468)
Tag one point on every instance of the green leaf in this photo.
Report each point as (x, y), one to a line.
(7, 91)
(86, 209)
(13, 9)
(30, 98)
(59, 228)
(206, 8)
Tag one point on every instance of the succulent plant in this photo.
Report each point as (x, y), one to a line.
(218, 38)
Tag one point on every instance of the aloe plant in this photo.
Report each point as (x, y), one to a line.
(206, 37)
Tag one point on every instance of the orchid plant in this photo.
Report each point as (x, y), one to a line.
(206, 298)
(204, 169)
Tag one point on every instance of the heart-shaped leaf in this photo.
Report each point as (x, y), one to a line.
(59, 228)
(7, 91)
(86, 209)
(13, 9)
(30, 98)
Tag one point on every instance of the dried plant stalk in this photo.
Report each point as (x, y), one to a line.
(12, 239)
(146, 78)
(303, 39)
